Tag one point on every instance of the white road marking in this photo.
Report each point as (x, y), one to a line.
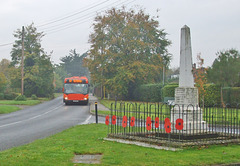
(86, 121)
(31, 117)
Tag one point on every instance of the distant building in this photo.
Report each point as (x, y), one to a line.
(174, 76)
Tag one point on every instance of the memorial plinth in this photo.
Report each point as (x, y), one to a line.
(186, 95)
(186, 108)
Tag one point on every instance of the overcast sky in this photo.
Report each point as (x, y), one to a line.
(214, 24)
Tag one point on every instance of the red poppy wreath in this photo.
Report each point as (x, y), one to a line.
(179, 124)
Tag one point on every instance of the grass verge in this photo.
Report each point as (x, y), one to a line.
(4, 109)
(29, 101)
(14, 102)
(88, 139)
(8, 106)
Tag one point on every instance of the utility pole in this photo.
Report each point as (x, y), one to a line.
(22, 63)
(163, 74)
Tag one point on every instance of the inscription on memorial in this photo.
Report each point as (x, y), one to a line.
(186, 96)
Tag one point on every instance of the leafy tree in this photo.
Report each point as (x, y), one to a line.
(127, 49)
(4, 66)
(200, 78)
(3, 82)
(15, 78)
(38, 69)
(58, 82)
(59, 75)
(225, 69)
(4, 74)
(10, 73)
(39, 78)
(60, 72)
(73, 64)
(32, 44)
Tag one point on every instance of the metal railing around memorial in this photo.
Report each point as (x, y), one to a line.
(174, 125)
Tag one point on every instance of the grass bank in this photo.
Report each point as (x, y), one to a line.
(8, 109)
(88, 139)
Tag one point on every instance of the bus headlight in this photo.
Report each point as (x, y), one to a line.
(85, 98)
(66, 98)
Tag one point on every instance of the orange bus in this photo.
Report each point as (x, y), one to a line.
(76, 90)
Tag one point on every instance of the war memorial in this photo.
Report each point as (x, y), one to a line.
(183, 124)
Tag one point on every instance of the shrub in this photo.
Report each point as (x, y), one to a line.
(212, 95)
(10, 96)
(1, 96)
(34, 97)
(21, 98)
(51, 96)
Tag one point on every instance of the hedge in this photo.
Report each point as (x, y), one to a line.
(212, 95)
(231, 95)
(148, 93)
(10, 95)
(169, 90)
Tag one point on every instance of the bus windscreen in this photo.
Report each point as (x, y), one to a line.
(76, 88)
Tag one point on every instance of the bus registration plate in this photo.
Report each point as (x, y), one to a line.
(75, 101)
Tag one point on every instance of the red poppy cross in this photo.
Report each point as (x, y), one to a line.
(167, 125)
(124, 121)
(149, 123)
(132, 123)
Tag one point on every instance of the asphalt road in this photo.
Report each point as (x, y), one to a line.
(40, 121)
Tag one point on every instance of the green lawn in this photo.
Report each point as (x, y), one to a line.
(88, 139)
(139, 116)
(8, 109)
(131, 105)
